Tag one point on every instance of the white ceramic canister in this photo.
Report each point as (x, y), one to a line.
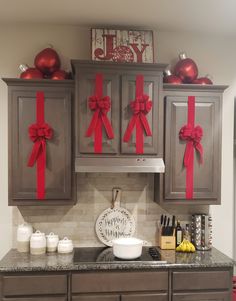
(65, 246)
(38, 243)
(52, 242)
(24, 232)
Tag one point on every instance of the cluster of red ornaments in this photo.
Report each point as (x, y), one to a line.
(47, 65)
(185, 72)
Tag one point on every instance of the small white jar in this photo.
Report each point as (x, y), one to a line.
(38, 243)
(52, 242)
(65, 246)
(24, 232)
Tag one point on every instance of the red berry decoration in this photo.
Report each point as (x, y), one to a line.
(47, 61)
(203, 81)
(30, 73)
(170, 78)
(186, 69)
(59, 75)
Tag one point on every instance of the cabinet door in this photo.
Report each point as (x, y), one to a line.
(152, 144)
(85, 89)
(96, 298)
(58, 174)
(206, 296)
(206, 175)
(145, 297)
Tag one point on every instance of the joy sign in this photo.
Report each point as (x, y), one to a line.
(122, 45)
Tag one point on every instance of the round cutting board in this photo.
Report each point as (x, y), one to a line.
(113, 223)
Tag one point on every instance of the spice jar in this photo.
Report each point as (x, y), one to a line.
(24, 232)
(38, 243)
(52, 242)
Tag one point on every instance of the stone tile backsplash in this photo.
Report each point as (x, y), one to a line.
(94, 194)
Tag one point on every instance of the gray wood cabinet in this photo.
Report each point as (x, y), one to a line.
(119, 82)
(163, 285)
(58, 113)
(208, 114)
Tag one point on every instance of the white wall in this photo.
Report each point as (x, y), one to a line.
(214, 55)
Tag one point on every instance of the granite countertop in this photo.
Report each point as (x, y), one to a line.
(14, 261)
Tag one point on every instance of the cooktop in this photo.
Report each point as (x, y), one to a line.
(105, 254)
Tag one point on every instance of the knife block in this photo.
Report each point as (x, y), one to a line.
(166, 242)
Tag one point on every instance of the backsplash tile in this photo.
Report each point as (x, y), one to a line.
(94, 194)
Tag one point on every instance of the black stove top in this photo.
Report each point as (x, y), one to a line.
(100, 254)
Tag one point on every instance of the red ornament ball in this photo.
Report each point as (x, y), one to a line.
(186, 69)
(203, 81)
(59, 75)
(172, 79)
(47, 61)
(122, 54)
(31, 73)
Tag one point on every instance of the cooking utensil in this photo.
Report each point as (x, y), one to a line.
(114, 222)
(127, 248)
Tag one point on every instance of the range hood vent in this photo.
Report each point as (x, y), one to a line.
(138, 165)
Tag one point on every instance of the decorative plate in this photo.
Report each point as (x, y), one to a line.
(114, 223)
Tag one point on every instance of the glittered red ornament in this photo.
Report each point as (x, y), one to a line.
(170, 78)
(186, 69)
(59, 75)
(47, 61)
(122, 54)
(30, 73)
(203, 81)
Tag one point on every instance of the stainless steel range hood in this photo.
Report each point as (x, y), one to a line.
(146, 165)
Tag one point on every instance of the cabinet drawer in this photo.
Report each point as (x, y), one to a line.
(34, 285)
(207, 296)
(36, 299)
(96, 298)
(201, 280)
(145, 297)
(119, 282)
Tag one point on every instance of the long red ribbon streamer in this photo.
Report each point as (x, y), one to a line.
(38, 133)
(101, 105)
(140, 107)
(193, 136)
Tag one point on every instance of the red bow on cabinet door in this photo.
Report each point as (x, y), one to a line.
(140, 107)
(101, 105)
(192, 135)
(39, 132)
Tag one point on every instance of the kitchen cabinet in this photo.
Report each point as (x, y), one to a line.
(145, 297)
(119, 83)
(33, 286)
(201, 285)
(207, 176)
(59, 176)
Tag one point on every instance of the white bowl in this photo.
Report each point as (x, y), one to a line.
(127, 248)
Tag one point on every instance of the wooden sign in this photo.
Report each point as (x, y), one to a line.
(122, 45)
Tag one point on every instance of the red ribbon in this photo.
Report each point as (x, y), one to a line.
(101, 105)
(192, 135)
(140, 108)
(39, 133)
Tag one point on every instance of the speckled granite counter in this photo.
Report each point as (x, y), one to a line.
(20, 262)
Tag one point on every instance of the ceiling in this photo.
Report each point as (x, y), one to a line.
(202, 16)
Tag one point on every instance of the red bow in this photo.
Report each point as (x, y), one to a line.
(101, 105)
(192, 135)
(39, 133)
(140, 108)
